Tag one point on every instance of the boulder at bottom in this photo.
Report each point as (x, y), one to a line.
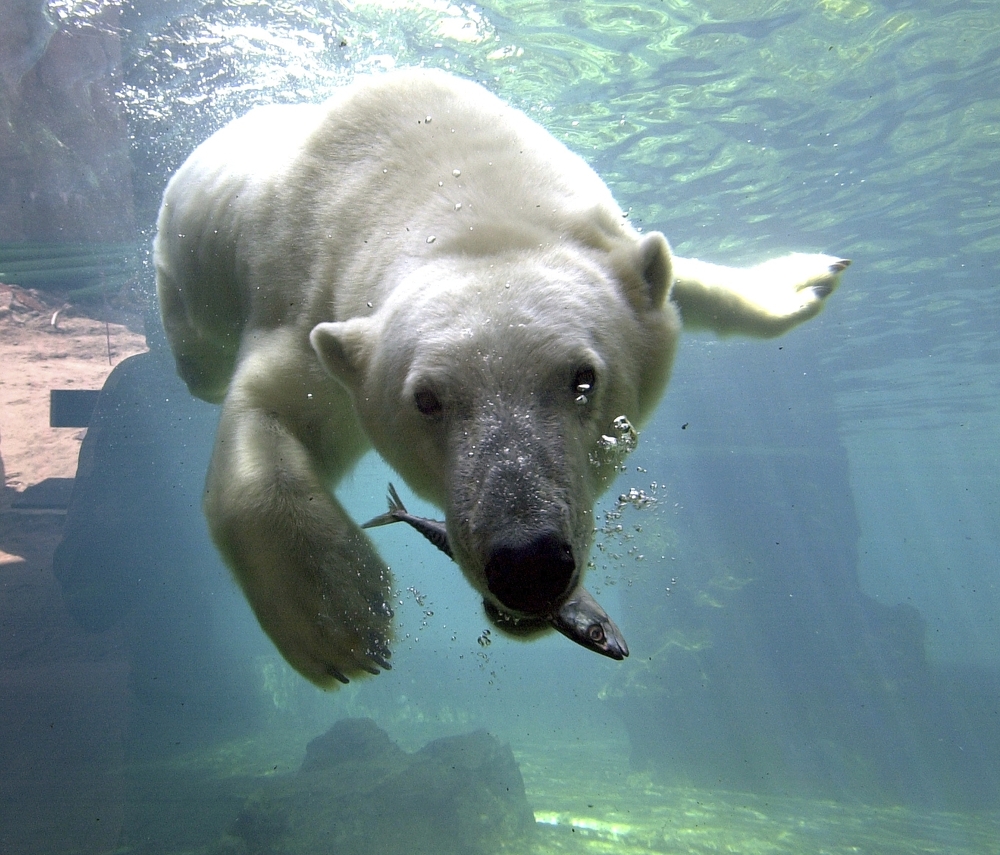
(358, 793)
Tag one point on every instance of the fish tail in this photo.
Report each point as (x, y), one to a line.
(396, 507)
(395, 503)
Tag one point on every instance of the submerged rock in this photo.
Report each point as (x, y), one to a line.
(351, 740)
(358, 793)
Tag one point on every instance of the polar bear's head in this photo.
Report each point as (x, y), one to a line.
(490, 384)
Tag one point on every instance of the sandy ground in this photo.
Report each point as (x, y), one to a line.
(77, 352)
(37, 355)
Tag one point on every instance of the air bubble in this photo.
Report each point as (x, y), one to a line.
(612, 450)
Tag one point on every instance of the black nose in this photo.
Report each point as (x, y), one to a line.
(531, 578)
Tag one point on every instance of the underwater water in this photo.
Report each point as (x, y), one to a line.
(807, 570)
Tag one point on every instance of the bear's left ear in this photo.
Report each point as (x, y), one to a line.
(344, 349)
(657, 271)
(646, 271)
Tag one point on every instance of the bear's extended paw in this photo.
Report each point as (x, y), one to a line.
(788, 290)
(349, 630)
(763, 301)
(370, 656)
(331, 620)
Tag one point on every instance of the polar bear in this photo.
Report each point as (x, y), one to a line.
(417, 267)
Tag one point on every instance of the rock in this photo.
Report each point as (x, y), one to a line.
(358, 793)
(63, 138)
(350, 740)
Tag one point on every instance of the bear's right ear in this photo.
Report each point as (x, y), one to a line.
(344, 349)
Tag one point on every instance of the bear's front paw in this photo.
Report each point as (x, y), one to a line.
(827, 276)
(344, 629)
(345, 651)
(330, 619)
(781, 293)
(794, 287)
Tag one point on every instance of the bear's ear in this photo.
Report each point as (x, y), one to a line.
(655, 267)
(344, 349)
(646, 271)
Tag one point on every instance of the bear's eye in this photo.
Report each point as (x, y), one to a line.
(427, 402)
(584, 381)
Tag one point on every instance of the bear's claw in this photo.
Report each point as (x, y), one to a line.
(369, 660)
(337, 675)
(825, 289)
(379, 653)
(380, 661)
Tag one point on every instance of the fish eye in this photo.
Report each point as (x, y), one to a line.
(595, 632)
(584, 380)
(427, 402)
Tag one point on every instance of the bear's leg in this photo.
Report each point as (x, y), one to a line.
(764, 301)
(313, 579)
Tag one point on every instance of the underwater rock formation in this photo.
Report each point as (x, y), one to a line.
(357, 793)
(63, 140)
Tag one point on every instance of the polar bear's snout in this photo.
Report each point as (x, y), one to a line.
(518, 530)
(532, 577)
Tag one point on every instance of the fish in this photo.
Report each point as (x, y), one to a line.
(433, 530)
(580, 617)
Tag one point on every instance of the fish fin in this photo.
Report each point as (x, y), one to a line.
(395, 508)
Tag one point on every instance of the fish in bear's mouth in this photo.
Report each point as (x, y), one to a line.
(578, 616)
